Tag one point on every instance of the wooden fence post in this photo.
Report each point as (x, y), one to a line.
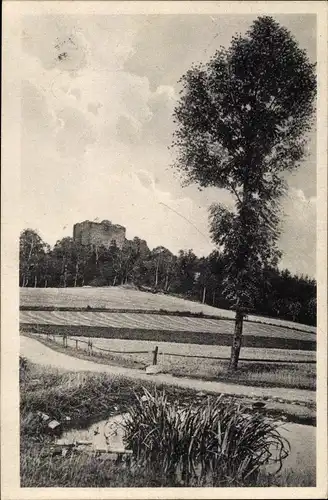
(155, 352)
(76, 344)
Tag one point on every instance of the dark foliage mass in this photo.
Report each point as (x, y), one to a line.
(70, 264)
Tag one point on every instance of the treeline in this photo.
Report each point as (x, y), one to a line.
(70, 264)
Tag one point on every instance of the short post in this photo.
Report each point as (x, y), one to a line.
(76, 344)
(90, 346)
(155, 352)
(64, 340)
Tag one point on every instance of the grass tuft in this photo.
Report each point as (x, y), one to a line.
(214, 444)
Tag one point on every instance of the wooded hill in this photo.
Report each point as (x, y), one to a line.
(70, 264)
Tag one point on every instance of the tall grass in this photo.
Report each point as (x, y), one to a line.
(212, 444)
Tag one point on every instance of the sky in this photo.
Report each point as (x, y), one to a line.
(98, 94)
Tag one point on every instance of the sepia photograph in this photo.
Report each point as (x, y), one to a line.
(166, 242)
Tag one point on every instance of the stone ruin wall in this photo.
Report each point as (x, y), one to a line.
(95, 233)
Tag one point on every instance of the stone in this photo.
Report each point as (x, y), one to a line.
(53, 425)
(153, 369)
(44, 416)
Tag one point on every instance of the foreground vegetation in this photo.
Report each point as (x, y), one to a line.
(87, 397)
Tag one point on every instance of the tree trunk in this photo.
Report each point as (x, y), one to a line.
(35, 281)
(76, 273)
(156, 275)
(65, 276)
(236, 341)
(204, 295)
(166, 282)
(213, 301)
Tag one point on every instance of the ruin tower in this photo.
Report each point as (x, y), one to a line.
(99, 233)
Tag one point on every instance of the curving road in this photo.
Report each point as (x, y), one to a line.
(40, 354)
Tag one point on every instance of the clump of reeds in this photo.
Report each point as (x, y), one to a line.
(216, 443)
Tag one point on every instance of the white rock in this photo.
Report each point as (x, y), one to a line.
(53, 424)
(153, 369)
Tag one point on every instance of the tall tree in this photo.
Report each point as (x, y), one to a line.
(186, 269)
(162, 261)
(32, 255)
(242, 121)
(70, 261)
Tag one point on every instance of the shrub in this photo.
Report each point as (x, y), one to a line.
(214, 444)
(23, 368)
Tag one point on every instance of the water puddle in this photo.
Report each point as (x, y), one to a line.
(302, 456)
(107, 437)
(103, 436)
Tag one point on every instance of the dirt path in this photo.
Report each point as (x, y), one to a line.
(41, 354)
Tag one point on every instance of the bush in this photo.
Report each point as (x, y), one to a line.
(214, 444)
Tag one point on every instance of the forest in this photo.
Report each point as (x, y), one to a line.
(70, 264)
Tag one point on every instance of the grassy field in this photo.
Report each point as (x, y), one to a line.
(156, 322)
(161, 321)
(272, 341)
(121, 298)
(179, 348)
(86, 397)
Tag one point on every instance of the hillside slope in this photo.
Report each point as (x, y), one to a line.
(120, 298)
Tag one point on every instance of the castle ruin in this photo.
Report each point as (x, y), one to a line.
(99, 233)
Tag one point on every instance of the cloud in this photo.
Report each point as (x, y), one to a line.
(298, 240)
(145, 178)
(74, 134)
(35, 113)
